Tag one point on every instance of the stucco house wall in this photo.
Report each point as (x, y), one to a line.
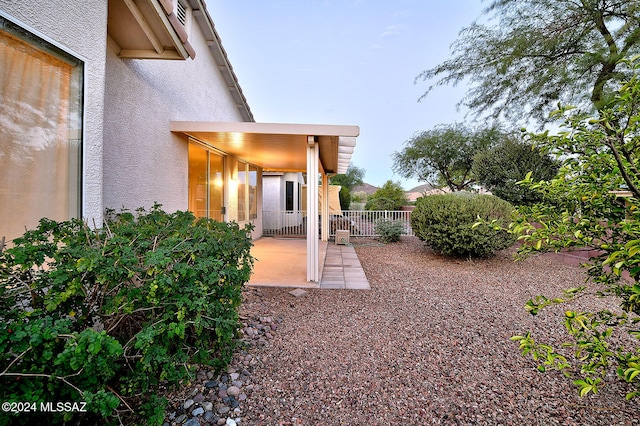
(273, 190)
(62, 24)
(274, 200)
(131, 158)
(145, 162)
(274, 196)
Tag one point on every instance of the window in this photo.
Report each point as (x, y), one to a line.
(242, 192)
(247, 192)
(41, 93)
(253, 192)
(206, 183)
(289, 198)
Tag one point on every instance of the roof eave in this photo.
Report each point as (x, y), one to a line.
(202, 17)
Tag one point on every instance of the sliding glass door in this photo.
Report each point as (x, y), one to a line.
(206, 182)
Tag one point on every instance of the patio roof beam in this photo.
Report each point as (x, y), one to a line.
(275, 146)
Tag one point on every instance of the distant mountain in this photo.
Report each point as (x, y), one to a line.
(421, 188)
(426, 189)
(412, 194)
(366, 188)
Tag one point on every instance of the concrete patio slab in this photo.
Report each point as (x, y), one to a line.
(282, 262)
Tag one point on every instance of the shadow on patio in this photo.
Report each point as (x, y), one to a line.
(283, 263)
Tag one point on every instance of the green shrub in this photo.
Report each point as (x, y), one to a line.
(345, 198)
(108, 316)
(389, 231)
(381, 204)
(390, 197)
(501, 168)
(445, 223)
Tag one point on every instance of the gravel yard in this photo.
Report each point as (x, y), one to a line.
(428, 344)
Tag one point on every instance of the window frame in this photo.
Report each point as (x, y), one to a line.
(209, 180)
(249, 210)
(289, 197)
(38, 39)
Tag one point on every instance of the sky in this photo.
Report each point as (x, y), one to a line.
(347, 62)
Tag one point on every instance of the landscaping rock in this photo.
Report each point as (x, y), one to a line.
(233, 391)
(188, 403)
(214, 396)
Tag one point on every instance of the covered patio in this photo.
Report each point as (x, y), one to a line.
(281, 262)
(318, 150)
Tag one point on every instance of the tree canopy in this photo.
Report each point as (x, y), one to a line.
(501, 168)
(444, 155)
(541, 52)
(353, 177)
(390, 197)
(596, 205)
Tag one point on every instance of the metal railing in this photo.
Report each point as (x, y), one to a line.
(284, 223)
(359, 222)
(364, 221)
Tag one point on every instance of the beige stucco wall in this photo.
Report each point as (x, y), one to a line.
(144, 162)
(131, 159)
(274, 190)
(80, 27)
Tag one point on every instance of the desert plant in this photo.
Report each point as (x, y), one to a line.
(359, 197)
(446, 223)
(389, 231)
(108, 316)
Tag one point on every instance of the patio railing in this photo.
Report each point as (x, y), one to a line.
(359, 222)
(284, 223)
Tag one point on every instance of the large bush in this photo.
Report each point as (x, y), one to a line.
(445, 223)
(501, 168)
(109, 316)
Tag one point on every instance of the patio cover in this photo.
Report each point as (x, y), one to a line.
(310, 148)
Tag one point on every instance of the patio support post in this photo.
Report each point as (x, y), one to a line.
(312, 209)
(325, 208)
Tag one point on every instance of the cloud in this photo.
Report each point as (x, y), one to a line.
(391, 30)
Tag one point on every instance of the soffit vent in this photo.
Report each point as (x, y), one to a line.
(181, 13)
